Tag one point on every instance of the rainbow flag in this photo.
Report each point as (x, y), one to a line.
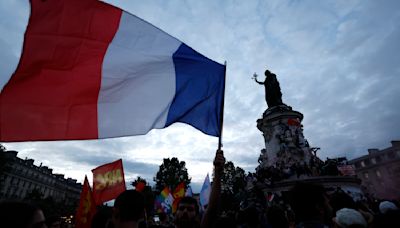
(164, 201)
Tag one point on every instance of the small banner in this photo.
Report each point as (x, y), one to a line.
(293, 122)
(87, 207)
(178, 194)
(347, 170)
(205, 193)
(163, 202)
(108, 181)
(140, 186)
(189, 192)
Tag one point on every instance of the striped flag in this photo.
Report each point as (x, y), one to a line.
(205, 192)
(164, 201)
(89, 70)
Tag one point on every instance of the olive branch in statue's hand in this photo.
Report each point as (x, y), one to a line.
(254, 76)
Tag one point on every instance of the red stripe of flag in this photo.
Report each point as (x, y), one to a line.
(53, 93)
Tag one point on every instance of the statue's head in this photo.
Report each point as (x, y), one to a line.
(267, 72)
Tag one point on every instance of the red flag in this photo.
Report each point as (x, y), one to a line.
(179, 191)
(108, 181)
(293, 122)
(178, 194)
(140, 186)
(87, 207)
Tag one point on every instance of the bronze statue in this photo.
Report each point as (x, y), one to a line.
(273, 94)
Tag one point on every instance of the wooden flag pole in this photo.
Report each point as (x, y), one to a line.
(222, 112)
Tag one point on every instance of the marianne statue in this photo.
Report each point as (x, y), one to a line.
(273, 94)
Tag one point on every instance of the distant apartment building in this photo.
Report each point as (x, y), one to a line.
(20, 177)
(380, 171)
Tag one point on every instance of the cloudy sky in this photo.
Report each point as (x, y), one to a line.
(338, 62)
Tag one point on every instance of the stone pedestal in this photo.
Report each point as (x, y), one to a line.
(288, 158)
(285, 145)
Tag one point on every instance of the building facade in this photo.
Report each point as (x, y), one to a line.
(21, 177)
(380, 171)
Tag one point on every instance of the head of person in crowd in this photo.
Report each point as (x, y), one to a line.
(310, 204)
(164, 220)
(187, 212)
(276, 217)
(386, 206)
(340, 199)
(53, 222)
(129, 209)
(19, 214)
(103, 217)
(349, 218)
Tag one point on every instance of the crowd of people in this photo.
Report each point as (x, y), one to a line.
(307, 205)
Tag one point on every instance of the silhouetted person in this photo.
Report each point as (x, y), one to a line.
(22, 215)
(349, 218)
(277, 218)
(210, 215)
(187, 213)
(273, 94)
(103, 217)
(129, 209)
(310, 205)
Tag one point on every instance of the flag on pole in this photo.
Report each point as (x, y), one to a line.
(163, 202)
(189, 192)
(108, 181)
(90, 70)
(205, 192)
(87, 207)
(140, 186)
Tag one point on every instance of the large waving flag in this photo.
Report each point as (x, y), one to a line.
(108, 181)
(89, 70)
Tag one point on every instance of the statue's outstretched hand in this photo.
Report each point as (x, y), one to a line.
(254, 76)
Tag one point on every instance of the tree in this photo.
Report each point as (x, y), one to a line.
(233, 179)
(233, 183)
(171, 173)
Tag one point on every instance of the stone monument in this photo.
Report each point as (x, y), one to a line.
(287, 156)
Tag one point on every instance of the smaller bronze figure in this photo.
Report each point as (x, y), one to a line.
(273, 94)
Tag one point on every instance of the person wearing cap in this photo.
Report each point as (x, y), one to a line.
(386, 206)
(347, 217)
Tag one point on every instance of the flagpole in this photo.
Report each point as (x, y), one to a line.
(222, 112)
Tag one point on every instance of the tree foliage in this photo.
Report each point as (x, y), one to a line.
(233, 179)
(233, 183)
(171, 173)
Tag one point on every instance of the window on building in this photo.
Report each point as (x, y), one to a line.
(378, 173)
(366, 175)
(373, 160)
(391, 155)
(362, 164)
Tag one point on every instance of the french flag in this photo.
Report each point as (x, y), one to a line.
(89, 70)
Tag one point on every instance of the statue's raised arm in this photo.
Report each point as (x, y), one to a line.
(255, 79)
(273, 94)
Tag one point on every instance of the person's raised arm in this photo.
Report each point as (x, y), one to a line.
(211, 213)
